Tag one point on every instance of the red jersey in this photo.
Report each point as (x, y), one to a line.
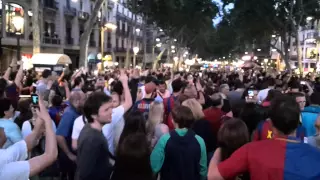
(275, 159)
(214, 116)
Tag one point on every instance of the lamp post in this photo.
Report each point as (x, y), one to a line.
(135, 51)
(18, 23)
(105, 27)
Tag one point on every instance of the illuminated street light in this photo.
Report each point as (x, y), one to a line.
(136, 50)
(173, 51)
(245, 52)
(176, 59)
(255, 57)
(138, 30)
(273, 50)
(110, 26)
(99, 56)
(160, 30)
(175, 40)
(266, 60)
(309, 18)
(258, 49)
(273, 36)
(158, 39)
(30, 13)
(224, 57)
(172, 47)
(159, 45)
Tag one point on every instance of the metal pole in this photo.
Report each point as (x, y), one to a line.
(102, 47)
(18, 48)
(134, 60)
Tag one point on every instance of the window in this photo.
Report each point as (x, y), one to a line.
(49, 29)
(313, 65)
(12, 12)
(122, 43)
(117, 43)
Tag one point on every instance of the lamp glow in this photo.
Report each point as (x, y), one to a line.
(136, 50)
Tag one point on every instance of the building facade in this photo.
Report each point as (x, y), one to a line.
(61, 24)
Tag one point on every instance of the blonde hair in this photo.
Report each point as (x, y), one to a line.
(156, 112)
(195, 107)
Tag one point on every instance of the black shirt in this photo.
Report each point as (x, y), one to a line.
(92, 155)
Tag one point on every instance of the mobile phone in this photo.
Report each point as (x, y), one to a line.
(35, 99)
(250, 93)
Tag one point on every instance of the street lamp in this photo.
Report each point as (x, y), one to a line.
(175, 40)
(172, 47)
(138, 30)
(158, 39)
(135, 51)
(159, 45)
(110, 26)
(18, 23)
(309, 18)
(273, 36)
(245, 52)
(258, 49)
(173, 51)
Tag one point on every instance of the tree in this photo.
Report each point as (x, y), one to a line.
(186, 20)
(257, 20)
(36, 27)
(84, 39)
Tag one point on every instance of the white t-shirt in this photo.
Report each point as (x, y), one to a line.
(110, 130)
(262, 95)
(27, 128)
(12, 162)
(77, 127)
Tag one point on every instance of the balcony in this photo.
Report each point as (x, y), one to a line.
(50, 40)
(92, 43)
(51, 5)
(83, 15)
(120, 49)
(69, 41)
(70, 12)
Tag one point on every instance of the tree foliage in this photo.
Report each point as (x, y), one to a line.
(189, 21)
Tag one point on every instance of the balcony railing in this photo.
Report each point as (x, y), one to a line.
(120, 49)
(92, 43)
(51, 4)
(50, 40)
(69, 41)
(69, 11)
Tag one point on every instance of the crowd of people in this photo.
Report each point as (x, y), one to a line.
(129, 124)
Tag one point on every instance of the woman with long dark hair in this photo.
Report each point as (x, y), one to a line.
(231, 136)
(133, 159)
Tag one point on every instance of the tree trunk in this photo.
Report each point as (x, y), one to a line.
(285, 54)
(299, 54)
(84, 39)
(144, 31)
(155, 62)
(36, 27)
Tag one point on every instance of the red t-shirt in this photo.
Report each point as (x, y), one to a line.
(273, 159)
(214, 115)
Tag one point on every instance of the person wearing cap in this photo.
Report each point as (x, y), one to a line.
(143, 105)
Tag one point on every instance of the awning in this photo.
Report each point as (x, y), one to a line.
(50, 59)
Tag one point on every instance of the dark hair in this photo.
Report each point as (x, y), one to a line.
(93, 104)
(183, 116)
(315, 98)
(295, 94)
(134, 123)
(177, 85)
(133, 158)
(251, 116)
(3, 85)
(77, 81)
(56, 101)
(294, 84)
(271, 81)
(285, 114)
(117, 87)
(46, 73)
(231, 136)
(5, 106)
(216, 100)
(25, 112)
(272, 94)
(238, 84)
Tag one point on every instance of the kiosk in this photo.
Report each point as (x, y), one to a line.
(54, 62)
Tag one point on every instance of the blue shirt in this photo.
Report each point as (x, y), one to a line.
(12, 131)
(66, 124)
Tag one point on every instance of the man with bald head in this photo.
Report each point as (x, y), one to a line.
(67, 156)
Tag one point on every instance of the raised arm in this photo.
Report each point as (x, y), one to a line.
(19, 76)
(39, 163)
(127, 95)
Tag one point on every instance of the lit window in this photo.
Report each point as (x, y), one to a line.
(12, 11)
